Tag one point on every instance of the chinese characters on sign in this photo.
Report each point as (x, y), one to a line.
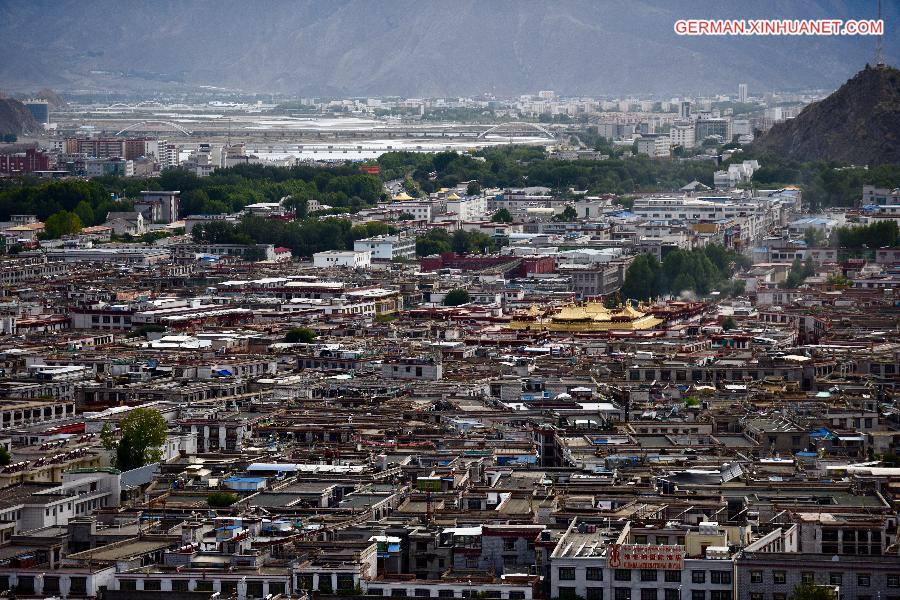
(642, 556)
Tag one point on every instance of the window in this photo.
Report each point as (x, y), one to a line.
(807, 577)
(698, 576)
(152, 585)
(512, 595)
(671, 594)
(779, 577)
(779, 596)
(623, 575)
(51, 585)
(593, 574)
(623, 593)
(375, 592)
(447, 593)
(640, 539)
(567, 593)
(698, 595)
(180, 585)
(893, 581)
(126, 585)
(755, 576)
(720, 595)
(835, 578)
(720, 577)
(648, 594)
(648, 574)
(672, 576)
(509, 545)
(863, 580)
(566, 573)
(756, 596)
(422, 593)
(594, 593)
(227, 588)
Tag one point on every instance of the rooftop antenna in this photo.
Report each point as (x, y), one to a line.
(879, 43)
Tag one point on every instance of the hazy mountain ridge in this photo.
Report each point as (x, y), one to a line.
(858, 124)
(16, 119)
(409, 47)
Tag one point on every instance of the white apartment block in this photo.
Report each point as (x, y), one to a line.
(388, 247)
(683, 134)
(351, 259)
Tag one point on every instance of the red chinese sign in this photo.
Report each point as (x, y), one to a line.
(643, 556)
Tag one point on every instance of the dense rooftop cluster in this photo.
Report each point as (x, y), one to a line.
(507, 424)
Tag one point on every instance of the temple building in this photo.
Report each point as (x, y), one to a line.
(586, 317)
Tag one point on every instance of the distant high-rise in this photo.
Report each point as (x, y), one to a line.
(742, 92)
(685, 111)
(39, 109)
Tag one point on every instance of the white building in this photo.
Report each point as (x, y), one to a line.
(468, 208)
(387, 247)
(353, 259)
(654, 145)
(683, 134)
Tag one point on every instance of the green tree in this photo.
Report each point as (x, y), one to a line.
(641, 278)
(568, 214)
(300, 335)
(143, 432)
(85, 212)
(809, 591)
(221, 499)
(729, 323)
(62, 223)
(473, 189)
(815, 237)
(436, 241)
(5, 458)
(457, 296)
(502, 216)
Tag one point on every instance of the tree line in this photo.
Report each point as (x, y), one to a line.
(520, 166)
(700, 271)
(824, 183)
(304, 237)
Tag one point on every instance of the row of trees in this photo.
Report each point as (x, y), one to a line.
(876, 235)
(225, 190)
(304, 237)
(89, 200)
(438, 241)
(531, 166)
(699, 271)
(824, 183)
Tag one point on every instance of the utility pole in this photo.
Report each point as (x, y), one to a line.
(879, 43)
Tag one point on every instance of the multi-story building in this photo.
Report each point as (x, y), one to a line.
(388, 247)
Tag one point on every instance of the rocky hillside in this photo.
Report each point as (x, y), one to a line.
(858, 124)
(15, 118)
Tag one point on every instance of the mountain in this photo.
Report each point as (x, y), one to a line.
(421, 47)
(16, 119)
(858, 124)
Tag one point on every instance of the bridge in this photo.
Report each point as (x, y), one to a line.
(518, 129)
(169, 124)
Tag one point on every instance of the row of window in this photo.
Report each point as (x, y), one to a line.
(596, 574)
(426, 593)
(620, 593)
(834, 578)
